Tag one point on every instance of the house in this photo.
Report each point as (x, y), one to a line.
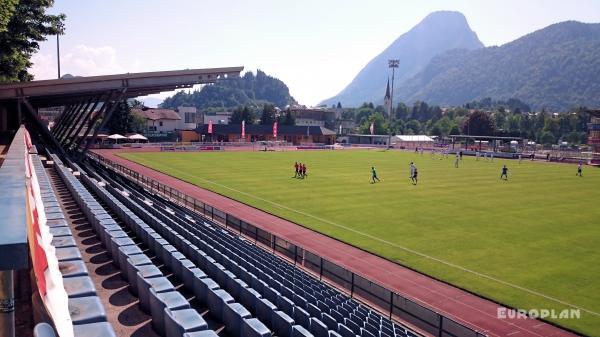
(159, 122)
(294, 134)
(189, 118)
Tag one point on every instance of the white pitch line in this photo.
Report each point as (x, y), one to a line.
(450, 264)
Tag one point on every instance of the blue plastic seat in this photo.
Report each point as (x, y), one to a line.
(43, 330)
(205, 333)
(201, 288)
(216, 301)
(73, 268)
(158, 284)
(300, 331)
(85, 310)
(249, 297)
(345, 331)
(233, 317)
(79, 286)
(286, 305)
(302, 317)
(171, 300)
(102, 329)
(252, 327)
(178, 322)
(282, 324)
(146, 270)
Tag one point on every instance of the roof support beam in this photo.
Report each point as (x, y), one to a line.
(43, 129)
(83, 123)
(93, 121)
(69, 121)
(74, 123)
(105, 120)
(64, 117)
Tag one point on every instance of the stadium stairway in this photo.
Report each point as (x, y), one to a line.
(86, 310)
(286, 299)
(162, 299)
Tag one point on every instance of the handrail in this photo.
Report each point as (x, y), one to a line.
(360, 287)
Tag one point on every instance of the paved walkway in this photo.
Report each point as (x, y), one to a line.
(463, 307)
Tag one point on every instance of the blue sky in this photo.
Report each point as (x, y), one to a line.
(315, 47)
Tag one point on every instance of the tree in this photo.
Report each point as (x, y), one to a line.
(242, 114)
(23, 24)
(120, 120)
(287, 119)
(268, 114)
(479, 123)
(135, 104)
(413, 127)
(574, 138)
(379, 124)
(547, 138)
(339, 105)
(7, 9)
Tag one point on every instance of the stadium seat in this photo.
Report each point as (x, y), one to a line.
(252, 327)
(318, 328)
(201, 288)
(216, 300)
(73, 268)
(68, 254)
(85, 310)
(205, 333)
(158, 284)
(282, 324)
(301, 317)
(299, 331)
(249, 297)
(233, 317)
(79, 286)
(43, 330)
(345, 331)
(140, 271)
(178, 322)
(101, 329)
(171, 300)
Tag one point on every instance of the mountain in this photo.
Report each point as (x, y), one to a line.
(437, 33)
(556, 68)
(231, 93)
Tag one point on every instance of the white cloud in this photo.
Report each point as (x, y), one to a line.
(82, 60)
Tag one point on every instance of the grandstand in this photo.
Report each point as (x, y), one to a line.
(109, 256)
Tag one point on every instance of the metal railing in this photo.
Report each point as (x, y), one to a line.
(392, 304)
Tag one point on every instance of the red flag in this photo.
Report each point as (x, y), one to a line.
(372, 128)
(244, 129)
(210, 127)
(275, 130)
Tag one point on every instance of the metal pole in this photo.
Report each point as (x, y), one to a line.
(7, 304)
(58, 53)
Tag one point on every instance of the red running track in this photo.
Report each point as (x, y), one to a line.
(457, 304)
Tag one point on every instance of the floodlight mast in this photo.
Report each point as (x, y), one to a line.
(393, 64)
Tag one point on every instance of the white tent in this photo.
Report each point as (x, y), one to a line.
(412, 141)
(136, 136)
(116, 137)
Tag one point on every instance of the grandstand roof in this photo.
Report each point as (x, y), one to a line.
(68, 90)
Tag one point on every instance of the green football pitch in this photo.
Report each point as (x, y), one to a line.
(531, 242)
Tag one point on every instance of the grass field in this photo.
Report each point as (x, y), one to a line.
(530, 242)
